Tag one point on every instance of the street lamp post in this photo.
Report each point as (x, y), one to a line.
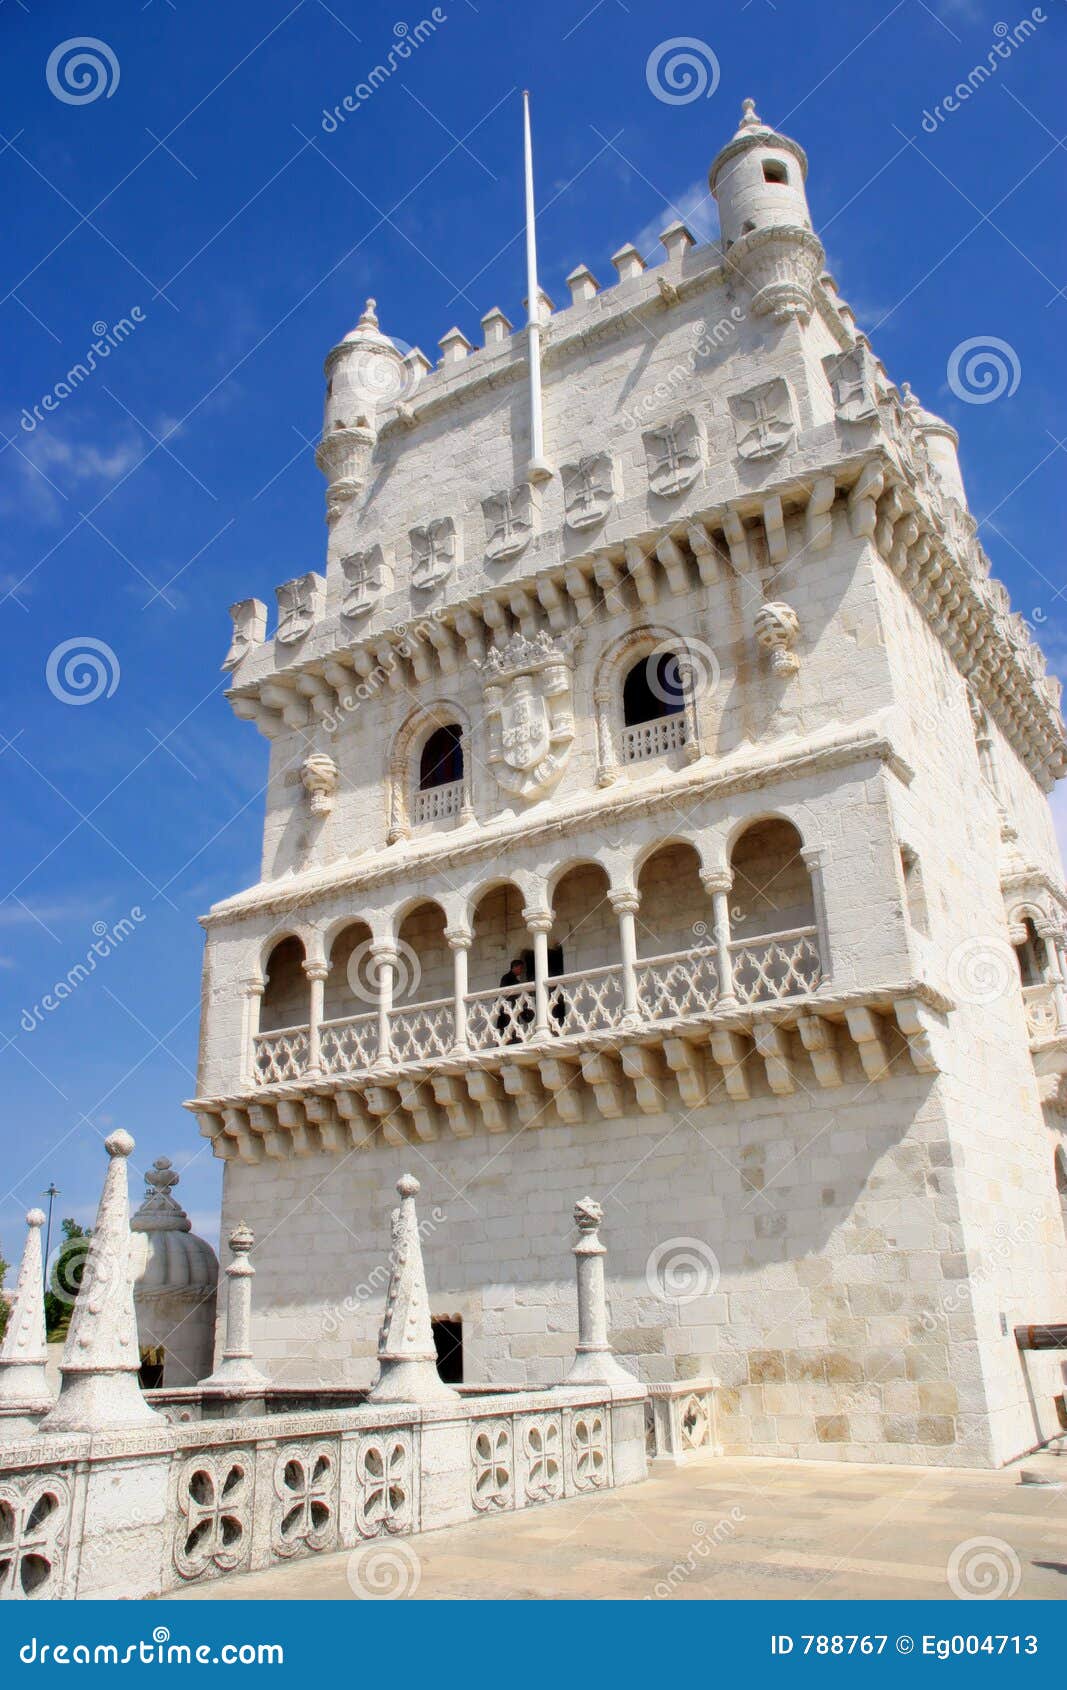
(52, 1193)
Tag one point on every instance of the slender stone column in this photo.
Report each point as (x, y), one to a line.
(459, 942)
(407, 1356)
(539, 923)
(811, 856)
(386, 959)
(253, 991)
(626, 904)
(594, 1363)
(236, 1366)
(1054, 974)
(101, 1358)
(24, 1393)
(316, 974)
(718, 886)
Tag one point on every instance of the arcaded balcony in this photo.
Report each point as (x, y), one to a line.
(598, 961)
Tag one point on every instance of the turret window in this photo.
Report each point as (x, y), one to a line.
(774, 171)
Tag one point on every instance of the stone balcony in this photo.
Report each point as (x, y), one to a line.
(651, 1035)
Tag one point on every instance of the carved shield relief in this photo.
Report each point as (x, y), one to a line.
(763, 419)
(674, 454)
(528, 710)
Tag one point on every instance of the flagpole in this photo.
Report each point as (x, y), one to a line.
(537, 469)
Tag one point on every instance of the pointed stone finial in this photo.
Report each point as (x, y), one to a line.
(594, 1363)
(749, 118)
(407, 1356)
(101, 1357)
(24, 1393)
(236, 1368)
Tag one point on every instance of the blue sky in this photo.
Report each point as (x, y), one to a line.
(204, 191)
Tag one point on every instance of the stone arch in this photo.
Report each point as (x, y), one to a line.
(425, 971)
(285, 992)
(585, 928)
(772, 889)
(498, 931)
(404, 761)
(674, 913)
(347, 944)
(619, 743)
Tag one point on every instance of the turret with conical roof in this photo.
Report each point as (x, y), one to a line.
(758, 183)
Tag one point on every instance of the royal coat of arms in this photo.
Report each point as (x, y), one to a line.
(528, 708)
(851, 379)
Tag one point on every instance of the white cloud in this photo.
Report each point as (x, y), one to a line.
(694, 206)
(81, 461)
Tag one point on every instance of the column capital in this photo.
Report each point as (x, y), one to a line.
(316, 970)
(384, 950)
(811, 855)
(624, 900)
(254, 986)
(538, 921)
(720, 880)
(459, 938)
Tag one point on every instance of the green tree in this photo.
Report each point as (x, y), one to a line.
(64, 1281)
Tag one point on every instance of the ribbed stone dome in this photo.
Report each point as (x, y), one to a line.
(165, 1254)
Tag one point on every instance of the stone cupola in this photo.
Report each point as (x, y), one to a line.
(175, 1280)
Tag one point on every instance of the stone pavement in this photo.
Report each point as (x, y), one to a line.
(722, 1528)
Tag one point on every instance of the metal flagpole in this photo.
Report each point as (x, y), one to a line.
(538, 469)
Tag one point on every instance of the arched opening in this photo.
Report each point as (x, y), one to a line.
(348, 1035)
(500, 1009)
(423, 1021)
(774, 170)
(675, 909)
(775, 945)
(653, 705)
(285, 1000)
(439, 793)
(584, 949)
(1032, 955)
(674, 928)
(441, 760)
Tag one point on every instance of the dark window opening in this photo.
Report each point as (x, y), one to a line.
(653, 688)
(748, 228)
(441, 762)
(448, 1342)
(774, 171)
(1032, 955)
(153, 1362)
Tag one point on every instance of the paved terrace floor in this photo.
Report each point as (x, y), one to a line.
(719, 1528)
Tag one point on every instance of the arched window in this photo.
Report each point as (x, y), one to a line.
(774, 171)
(441, 762)
(440, 786)
(1032, 955)
(653, 706)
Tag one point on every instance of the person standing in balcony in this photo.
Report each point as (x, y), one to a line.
(516, 1011)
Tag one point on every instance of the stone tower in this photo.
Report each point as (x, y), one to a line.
(725, 735)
